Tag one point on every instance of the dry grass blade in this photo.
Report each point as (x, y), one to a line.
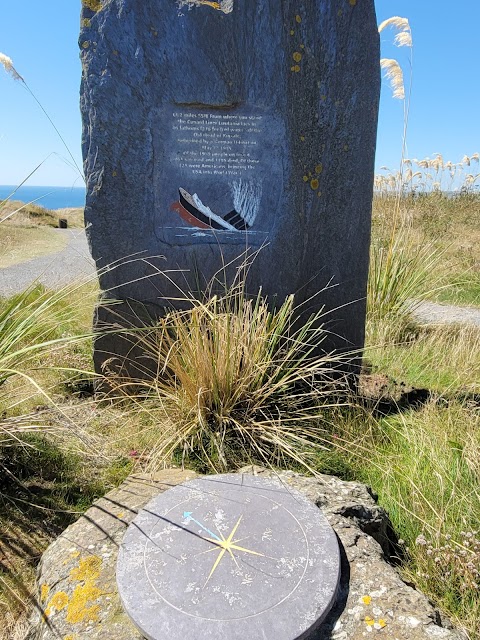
(236, 381)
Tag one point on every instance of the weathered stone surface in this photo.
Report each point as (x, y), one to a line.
(77, 593)
(229, 556)
(265, 109)
(77, 572)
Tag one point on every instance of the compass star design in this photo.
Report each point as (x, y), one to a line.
(228, 544)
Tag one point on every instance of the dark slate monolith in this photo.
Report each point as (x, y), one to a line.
(212, 129)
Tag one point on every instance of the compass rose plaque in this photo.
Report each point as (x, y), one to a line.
(229, 557)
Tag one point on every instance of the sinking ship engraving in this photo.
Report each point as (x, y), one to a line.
(246, 199)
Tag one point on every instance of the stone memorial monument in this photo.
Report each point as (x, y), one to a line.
(212, 130)
(227, 558)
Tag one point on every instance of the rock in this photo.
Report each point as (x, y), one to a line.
(213, 131)
(76, 579)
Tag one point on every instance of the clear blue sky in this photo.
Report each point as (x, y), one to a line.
(41, 38)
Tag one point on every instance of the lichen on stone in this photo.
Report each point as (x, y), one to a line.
(79, 608)
(58, 602)
(88, 569)
(44, 591)
(93, 5)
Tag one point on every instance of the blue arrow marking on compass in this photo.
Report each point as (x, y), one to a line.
(188, 514)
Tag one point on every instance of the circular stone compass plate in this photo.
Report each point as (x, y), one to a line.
(229, 557)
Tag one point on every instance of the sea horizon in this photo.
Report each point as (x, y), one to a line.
(50, 197)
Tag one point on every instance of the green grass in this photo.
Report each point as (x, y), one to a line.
(425, 467)
(462, 291)
(444, 359)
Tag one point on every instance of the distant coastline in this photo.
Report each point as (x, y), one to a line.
(48, 197)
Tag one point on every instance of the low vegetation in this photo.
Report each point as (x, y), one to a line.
(235, 384)
(19, 214)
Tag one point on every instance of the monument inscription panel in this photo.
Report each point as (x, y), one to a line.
(231, 556)
(211, 184)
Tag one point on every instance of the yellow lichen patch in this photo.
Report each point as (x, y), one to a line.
(93, 5)
(302, 138)
(319, 194)
(346, 147)
(366, 600)
(340, 13)
(85, 44)
(79, 608)
(295, 68)
(297, 56)
(314, 183)
(369, 621)
(302, 46)
(58, 602)
(382, 623)
(44, 591)
(352, 2)
(305, 178)
(292, 32)
(319, 168)
(88, 569)
(298, 19)
(323, 98)
(86, 22)
(114, 174)
(69, 637)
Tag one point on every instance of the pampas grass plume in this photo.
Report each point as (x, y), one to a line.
(404, 35)
(394, 73)
(9, 68)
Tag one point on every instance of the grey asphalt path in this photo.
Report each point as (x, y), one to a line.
(53, 270)
(433, 313)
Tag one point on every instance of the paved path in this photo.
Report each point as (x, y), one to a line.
(432, 313)
(53, 270)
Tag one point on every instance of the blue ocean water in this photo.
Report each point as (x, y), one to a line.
(49, 197)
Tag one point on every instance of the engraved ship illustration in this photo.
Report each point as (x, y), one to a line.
(192, 210)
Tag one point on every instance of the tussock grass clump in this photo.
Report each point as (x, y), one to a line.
(33, 324)
(236, 382)
(401, 273)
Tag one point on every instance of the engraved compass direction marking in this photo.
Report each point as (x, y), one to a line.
(227, 544)
(188, 516)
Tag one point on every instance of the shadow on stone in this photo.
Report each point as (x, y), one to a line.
(325, 630)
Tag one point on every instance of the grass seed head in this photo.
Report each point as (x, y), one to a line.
(9, 68)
